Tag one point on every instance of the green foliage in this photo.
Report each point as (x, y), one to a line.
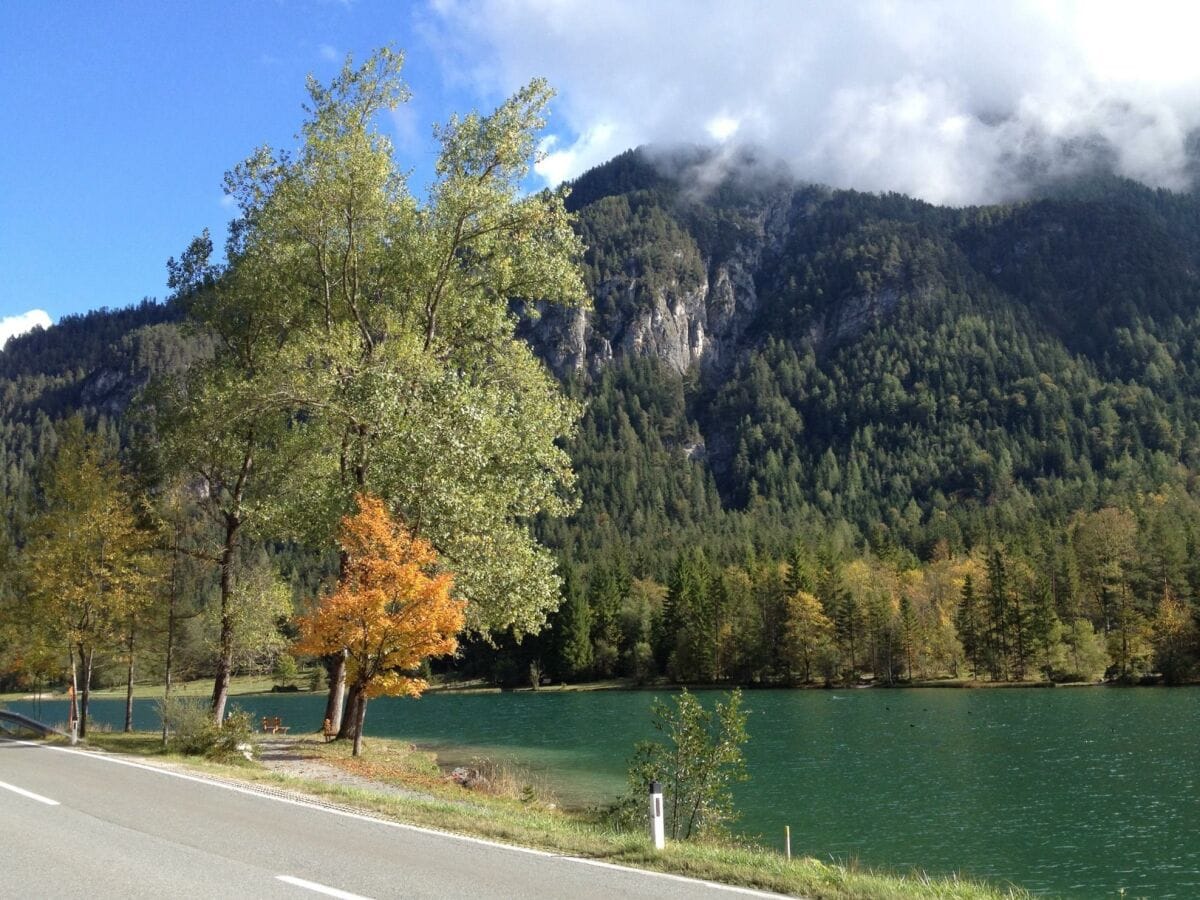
(1085, 657)
(697, 764)
(192, 732)
(318, 680)
(393, 361)
(261, 603)
(285, 671)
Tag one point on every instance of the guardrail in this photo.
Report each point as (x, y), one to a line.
(11, 718)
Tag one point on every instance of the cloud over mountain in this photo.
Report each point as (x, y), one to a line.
(11, 326)
(954, 102)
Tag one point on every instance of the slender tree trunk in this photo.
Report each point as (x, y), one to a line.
(129, 684)
(336, 663)
(170, 634)
(335, 666)
(360, 715)
(86, 658)
(224, 667)
(225, 662)
(73, 712)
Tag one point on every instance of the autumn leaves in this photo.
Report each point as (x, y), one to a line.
(392, 608)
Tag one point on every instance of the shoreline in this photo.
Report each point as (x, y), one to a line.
(189, 689)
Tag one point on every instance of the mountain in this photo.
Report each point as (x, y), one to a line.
(797, 392)
(913, 372)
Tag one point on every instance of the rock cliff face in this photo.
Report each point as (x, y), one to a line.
(683, 328)
(853, 316)
(687, 325)
(110, 390)
(697, 279)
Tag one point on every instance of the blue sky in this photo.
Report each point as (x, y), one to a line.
(119, 118)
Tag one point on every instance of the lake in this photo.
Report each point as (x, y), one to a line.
(1077, 791)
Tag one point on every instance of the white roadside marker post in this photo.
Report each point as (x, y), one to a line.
(656, 815)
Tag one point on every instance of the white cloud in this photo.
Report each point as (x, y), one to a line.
(953, 101)
(11, 326)
(721, 128)
(598, 143)
(329, 53)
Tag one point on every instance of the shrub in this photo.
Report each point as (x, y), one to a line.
(698, 763)
(232, 736)
(192, 732)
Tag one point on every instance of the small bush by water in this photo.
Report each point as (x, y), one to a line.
(192, 732)
(696, 766)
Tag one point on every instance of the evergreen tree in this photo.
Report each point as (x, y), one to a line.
(998, 615)
(967, 621)
(573, 629)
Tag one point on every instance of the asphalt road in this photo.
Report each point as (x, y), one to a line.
(75, 824)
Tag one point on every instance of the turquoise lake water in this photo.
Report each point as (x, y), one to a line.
(1076, 792)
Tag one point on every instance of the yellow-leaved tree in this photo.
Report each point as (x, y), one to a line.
(88, 565)
(391, 611)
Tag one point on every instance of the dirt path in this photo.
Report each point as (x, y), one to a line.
(289, 756)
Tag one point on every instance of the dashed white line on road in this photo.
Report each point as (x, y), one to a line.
(319, 888)
(30, 794)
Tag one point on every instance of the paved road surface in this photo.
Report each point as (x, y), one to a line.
(74, 824)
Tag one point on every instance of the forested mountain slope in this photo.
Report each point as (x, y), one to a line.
(93, 364)
(921, 418)
(833, 357)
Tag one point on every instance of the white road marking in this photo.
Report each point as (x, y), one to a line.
(404, 826)
(319, 888)
(30, 794)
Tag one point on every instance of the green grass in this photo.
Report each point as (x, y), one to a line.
(201, 687)
(534, 823)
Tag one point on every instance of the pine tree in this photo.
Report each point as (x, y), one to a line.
(967, 623)
(998, 615)
(575, 631)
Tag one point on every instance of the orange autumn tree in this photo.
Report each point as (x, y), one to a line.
(391, 611)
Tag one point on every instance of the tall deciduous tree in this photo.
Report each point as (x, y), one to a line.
(219, 426)
(391, 611)
(399, 363)
(808, 632)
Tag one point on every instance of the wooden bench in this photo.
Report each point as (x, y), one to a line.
(274, 725)
(329, 731)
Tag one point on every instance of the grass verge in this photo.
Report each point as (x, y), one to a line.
(530, 820)
(200, 687)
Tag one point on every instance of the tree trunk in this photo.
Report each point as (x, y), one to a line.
(73, 712)
(335, 666)
(225, 662)
(350, 714)
(86, 658)
(129, 685)
(221, 682)
(360, 715)
(170, 635)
